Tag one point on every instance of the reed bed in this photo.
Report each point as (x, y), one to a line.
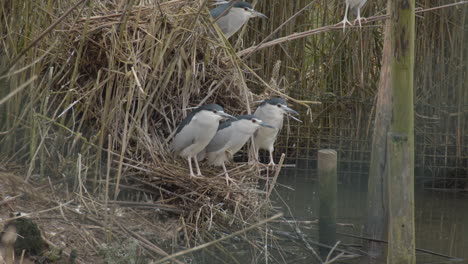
(95, 91)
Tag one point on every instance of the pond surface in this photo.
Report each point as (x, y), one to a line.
(441, 218)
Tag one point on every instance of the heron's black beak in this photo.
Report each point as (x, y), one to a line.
(267, 125)
(225, 115)
(290, 110)
(258, 14)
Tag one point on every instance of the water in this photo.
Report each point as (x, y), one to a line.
(441, 218)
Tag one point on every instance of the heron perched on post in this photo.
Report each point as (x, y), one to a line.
(272, 112)
(195, 132)
(355, 5)
(230, 138)
(231, 16)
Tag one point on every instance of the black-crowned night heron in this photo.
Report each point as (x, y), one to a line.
(230, 138)
(271, 111)
(230, 21)
(195, 132)
(356, 6)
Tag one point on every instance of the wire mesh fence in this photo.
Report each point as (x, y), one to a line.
(341, 69)
(441, 158)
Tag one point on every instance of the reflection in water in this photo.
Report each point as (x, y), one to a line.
(441, 218)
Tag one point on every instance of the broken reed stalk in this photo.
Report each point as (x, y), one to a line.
(337, 257)
(106, 187)
(17, 90)
(275, 177)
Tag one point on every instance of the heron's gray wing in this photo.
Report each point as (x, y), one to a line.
(215, 12)
(184, 137)
(220, 140)
(186, 121)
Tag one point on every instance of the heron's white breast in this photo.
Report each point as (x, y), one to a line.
(270, 114)
(273, 116)
(243, 130)
(202, 127)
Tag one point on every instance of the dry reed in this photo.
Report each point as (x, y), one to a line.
(94, 90)
(110, 83)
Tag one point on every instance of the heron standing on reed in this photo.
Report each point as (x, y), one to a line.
(230, 138)
(355, 5)
(272, 112)
(231, 16)
(195, 132)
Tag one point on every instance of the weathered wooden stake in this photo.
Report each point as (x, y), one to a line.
(327, 163)
(401, 235)
(400, 140)
(377, 197)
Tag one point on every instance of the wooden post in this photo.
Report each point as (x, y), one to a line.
(402, 65)
(401, 242)
(401, 139)
(377, 196)
(327, 163)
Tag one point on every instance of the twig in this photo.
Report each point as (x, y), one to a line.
(328, 28)
(181, 253)
(298, 237)
(10, 199)
(161, 207)
(313, 222)
(327, 260)
(307, 244)
(272, 185)
(40, 212)
(24, 85)
(386, 242)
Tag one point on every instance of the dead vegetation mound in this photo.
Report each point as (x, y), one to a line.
(98, 95)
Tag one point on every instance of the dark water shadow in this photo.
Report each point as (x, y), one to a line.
(441, 218)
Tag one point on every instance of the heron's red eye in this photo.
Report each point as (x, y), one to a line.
(254, 121)
(214, 111)
(278, 105)
(246, 9)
